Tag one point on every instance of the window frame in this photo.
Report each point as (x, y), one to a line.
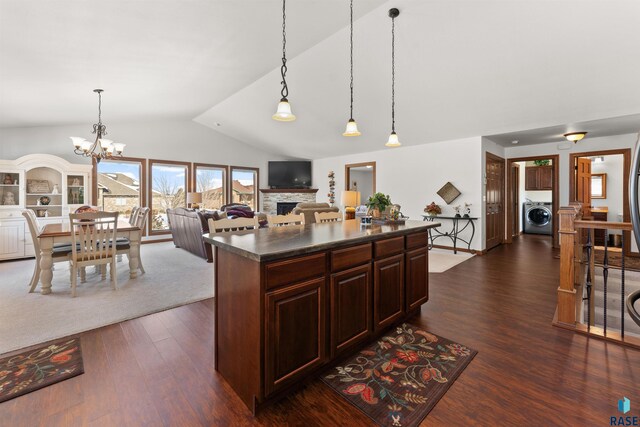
(256, 190)
(187, 177)
(225, 179)
(143, 179)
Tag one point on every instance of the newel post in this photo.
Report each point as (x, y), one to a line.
(566, 291)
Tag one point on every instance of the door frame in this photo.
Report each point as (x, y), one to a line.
(626, 171)
(505, 193)
(513, 191)
(555, 194)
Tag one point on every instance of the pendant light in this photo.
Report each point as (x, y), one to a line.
(393, 138)
(352, 126)
(284, 108)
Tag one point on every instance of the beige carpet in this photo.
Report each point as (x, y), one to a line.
(174, 277)
(441, 260)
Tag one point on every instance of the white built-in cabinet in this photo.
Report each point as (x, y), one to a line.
(48, 185)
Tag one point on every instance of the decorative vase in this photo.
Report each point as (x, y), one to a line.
(375, 212)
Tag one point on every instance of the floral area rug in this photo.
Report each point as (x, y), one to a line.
(399, 379)
(38, 368)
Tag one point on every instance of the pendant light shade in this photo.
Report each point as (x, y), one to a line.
(393, 138)
(352, 129)
(352, 126)
(284, 114)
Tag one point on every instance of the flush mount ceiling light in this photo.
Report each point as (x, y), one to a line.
(575, 136)
(352, 126)
(393, 138)
(515, 141)
(284, 114)
(101, 148)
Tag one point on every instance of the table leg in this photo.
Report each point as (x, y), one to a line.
(134, 254)
(46, 265)
(473, 231)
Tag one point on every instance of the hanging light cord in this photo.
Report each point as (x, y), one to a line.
(283, 69)
(351, 54)
(393, 74)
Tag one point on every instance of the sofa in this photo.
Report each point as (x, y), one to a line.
(308, 210)
(187, 227)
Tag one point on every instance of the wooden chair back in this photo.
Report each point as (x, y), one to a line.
(34, 229)
(283, 220)
(133, 218)
(142, 216)
(93, 234)
(322, 217)
(236, 224)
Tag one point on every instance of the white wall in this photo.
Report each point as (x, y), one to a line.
(613, 166)
(413, 175)
(166, 140)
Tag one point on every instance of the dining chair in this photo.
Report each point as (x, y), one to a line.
(283, 220)
(322, 217)
(123, 245)
(60, 251)
(236, 224)
(93, 234)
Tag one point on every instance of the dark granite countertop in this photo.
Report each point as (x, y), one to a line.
(267, 244)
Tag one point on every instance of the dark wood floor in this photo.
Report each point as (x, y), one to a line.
(158, 370)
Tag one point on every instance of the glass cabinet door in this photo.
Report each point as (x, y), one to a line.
(75, 190)
(9, 189)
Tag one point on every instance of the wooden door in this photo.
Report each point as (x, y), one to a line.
(545, 178)
(583, 184)
(417, 278)
(514, 199)
(388, 291)
(351, 317)
(295, 333)
(495, 201)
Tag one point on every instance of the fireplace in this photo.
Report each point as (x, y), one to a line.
(285, 208)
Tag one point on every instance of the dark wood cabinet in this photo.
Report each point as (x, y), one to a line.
(351, 319)
(295, 333)
(388, 291)
(417, 278)
(599, 234)
(538, 178)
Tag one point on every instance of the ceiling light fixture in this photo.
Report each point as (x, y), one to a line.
(284, 114)
(101, 148)
(515, 141)
(393, 138)
(352, 126)
(575, 136)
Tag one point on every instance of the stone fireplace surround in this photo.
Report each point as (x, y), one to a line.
(271, 197)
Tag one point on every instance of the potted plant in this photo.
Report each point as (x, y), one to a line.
(433, 209)
(378, 203)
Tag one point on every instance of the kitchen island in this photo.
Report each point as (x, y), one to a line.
(290, 300)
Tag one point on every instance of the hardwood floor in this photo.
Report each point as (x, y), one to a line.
(158, 370)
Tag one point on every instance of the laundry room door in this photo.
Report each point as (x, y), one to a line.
(583, 184)
(495, 172)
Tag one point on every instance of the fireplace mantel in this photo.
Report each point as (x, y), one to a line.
(288, 190)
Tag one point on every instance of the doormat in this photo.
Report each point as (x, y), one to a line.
(34, 369)
(400, 378)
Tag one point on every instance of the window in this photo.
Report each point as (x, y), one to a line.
(211, 181)
(119, 185)
(244, 186)
(169, 182)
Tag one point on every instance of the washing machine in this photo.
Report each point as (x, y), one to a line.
(537, 218)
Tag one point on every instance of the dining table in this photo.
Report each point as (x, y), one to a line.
(52, 234)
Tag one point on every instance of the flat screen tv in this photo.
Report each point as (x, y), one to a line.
(289, 174)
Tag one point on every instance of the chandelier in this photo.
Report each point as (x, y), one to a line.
(101, 148)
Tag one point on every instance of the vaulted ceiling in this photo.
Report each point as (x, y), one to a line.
(464, 68)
